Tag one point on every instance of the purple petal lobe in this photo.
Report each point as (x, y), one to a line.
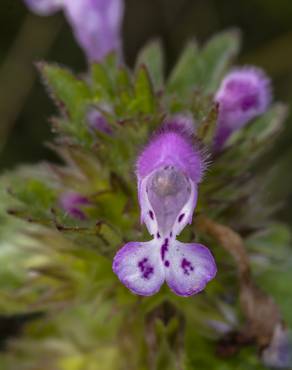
(44, 7)
(139, 268)
(191, 267)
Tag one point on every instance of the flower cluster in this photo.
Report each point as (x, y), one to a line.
(170, 167)
(168, 172)
(95, 23)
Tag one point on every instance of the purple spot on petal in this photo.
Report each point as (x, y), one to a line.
(158, 235)
(170, 235)
(146, 269)
(166, 263)
(151, 215)
(164, 249)
(181, 217)
(186, 266)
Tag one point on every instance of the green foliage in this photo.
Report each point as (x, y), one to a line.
(272, 264)
(203, 69)
(152, 58)
(61, 266)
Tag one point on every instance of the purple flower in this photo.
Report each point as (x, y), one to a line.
(244, 94)
(72, 202)
(168, 172)
(98, 122)
(96, 23)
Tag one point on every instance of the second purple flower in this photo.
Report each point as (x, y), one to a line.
(95, 23)
(244, 94)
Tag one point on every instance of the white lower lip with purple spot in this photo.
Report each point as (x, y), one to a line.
(143, 267)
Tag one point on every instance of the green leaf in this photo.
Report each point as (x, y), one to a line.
(70, 92)
(103, 77)
(124, 94)
(72, 96)
(184, 75)
(216, 58)
(254, 140)
(203, 69)
(268, 125)
(144, 97)
(101, 83)
(205, 112)
(151, 56)
(273, 270)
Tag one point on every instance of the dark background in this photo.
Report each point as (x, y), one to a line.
(266, 27)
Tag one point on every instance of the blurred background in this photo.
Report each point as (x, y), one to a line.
(266, 27)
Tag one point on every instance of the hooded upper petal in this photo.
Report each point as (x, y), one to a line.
(168, 171)
(172, 146)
